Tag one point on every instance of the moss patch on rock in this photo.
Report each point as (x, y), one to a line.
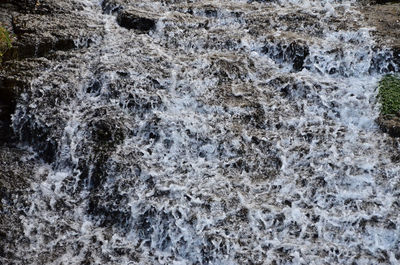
(5, 41)
(389, 95)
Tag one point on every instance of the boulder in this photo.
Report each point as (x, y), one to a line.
(136, 21)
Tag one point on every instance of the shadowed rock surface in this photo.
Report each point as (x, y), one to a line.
(130, 20)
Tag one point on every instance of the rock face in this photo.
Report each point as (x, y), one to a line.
(111, 6)
(7, 107)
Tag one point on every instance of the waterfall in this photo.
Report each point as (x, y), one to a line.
(209, 132)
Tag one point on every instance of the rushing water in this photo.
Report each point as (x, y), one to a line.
(235, 132)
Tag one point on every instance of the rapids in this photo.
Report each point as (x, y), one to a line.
(233, 132)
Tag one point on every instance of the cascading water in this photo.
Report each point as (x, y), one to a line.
(233, 132)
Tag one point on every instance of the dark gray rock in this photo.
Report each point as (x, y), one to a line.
(131, 20)
(7, 107)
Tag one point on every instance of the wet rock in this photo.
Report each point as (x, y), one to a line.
(390, 125)
(15, 174)
(42, 27)
(105, 133)
(255, 116)
(136, 21)
(39, 137)
(44, 35)
(211, 13)
(381, 61)
(22, 5)
(396, 56)
(7, 106)
(294, 53)
(110, 6)
(109, 210)
(385, 60)
(15, 79)
(10, 88)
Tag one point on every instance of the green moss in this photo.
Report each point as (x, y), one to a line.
(389, 95)
(5, 41)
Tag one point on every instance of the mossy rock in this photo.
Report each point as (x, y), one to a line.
(389, 98)
(5, 42)
(389, 95)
